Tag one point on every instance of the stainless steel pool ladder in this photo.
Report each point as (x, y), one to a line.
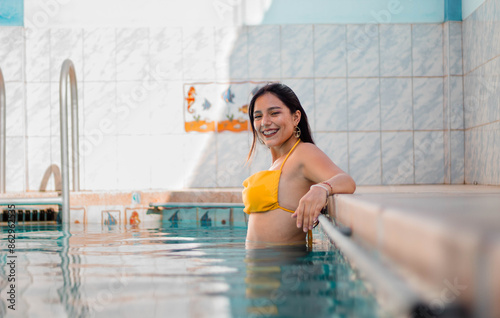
(3, 133)
(67, 72)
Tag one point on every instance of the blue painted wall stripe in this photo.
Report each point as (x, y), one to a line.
(453, 10)
(11, 12)
(354, 11)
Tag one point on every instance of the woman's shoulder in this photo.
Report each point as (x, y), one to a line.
(310, 151)
(308, 146)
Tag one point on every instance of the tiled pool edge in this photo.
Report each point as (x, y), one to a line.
(438, 254)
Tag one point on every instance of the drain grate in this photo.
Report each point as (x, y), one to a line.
(32, 215)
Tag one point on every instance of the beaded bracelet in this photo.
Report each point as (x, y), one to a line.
(331, 188)
(319, 185)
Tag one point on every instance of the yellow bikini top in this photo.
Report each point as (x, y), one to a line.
(261, 189)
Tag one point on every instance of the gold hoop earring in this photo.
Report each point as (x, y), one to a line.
(297, 132)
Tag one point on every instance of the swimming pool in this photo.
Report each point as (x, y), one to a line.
(176, 268)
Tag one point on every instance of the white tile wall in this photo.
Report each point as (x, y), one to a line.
(365, 89)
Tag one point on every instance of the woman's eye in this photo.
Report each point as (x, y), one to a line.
(274, 113)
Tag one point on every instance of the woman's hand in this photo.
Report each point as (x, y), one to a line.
(310, 206)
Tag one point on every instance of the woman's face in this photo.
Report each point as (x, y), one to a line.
(273, 121)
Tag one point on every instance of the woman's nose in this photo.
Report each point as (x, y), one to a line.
(266, 120)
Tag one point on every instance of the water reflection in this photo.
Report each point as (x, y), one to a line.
(184, 270)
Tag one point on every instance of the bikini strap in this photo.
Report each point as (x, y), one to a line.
(289, 153)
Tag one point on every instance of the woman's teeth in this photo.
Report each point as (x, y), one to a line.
(269, 132)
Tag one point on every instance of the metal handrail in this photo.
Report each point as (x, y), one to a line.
(3, 133)
(68, 71)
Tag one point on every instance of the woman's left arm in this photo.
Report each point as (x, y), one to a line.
(326, 178)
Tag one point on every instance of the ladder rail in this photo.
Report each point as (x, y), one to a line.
(67, 79)
(68, 73)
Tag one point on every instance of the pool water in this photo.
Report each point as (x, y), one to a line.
(175, 269)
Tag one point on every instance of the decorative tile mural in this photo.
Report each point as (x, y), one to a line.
(218, 106)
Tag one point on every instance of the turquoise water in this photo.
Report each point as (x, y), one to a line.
(175, 269)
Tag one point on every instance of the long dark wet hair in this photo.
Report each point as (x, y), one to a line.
(287, 97)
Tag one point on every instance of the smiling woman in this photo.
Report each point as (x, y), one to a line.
(302, 185)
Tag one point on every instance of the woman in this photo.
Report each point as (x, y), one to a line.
(285, 201)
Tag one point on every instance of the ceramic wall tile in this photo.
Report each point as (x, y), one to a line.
(99, 54)
(65, 44)
(198, 50)
(167, 102)
(133, 107)
(363, 104)
(447, 156)
(264, 52)
(55, 158)
(304, 89)
(331, 104)
(428, 103)
(14, 99)
(364, 158)
(38, 154)
(12, 53)
(330, 50)
(446, 48)
(100, 113)
(15, 174)
(489, 27)
(491, 92)
(167, 163)
(55, 109)
(490, 153)
(231, 53)
(165, 49)
(38, 109)
(455, 48)
(397, 158)
(101, 165)
(132, 59)
(429, 157)
(38, 55)
(199, 153)
(232, 150)
(471, 154)
(427, 49)
(457, 157)
(395, 52)
(453, 102)
(297, 57)
(334, 145)
(473, 110)
(133, 162)
(363, 50)
(468, 39)
(396, 103)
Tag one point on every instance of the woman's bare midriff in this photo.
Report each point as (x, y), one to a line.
(275, 226)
